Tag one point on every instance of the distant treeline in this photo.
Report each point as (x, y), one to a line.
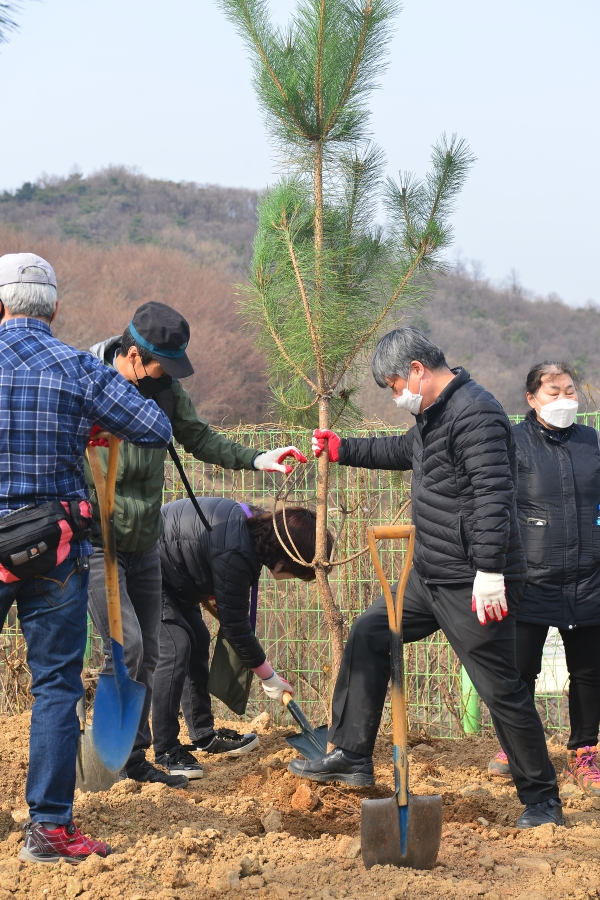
(117, 205)
(118, 239)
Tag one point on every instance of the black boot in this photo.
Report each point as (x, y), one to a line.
(339, 765)
(541, 813)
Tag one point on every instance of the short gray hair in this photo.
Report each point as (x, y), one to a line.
(29, 298)
(398, 348)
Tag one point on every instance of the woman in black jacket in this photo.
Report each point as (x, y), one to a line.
(558, 505)
(217, 569)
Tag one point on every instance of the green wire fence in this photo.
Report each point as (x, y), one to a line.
(291, 625)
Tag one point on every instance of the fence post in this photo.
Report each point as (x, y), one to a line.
(471, 705)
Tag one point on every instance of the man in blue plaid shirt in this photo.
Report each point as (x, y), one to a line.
(50, 397)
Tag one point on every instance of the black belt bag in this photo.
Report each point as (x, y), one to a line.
(36, 539)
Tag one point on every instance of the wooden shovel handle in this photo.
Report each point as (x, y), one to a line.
(105, 490)
(394, 609)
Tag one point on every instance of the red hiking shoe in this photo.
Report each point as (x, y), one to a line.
(582, 769)
(66, 842)
(499, 765)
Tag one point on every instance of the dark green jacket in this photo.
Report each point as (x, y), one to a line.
(140, 476)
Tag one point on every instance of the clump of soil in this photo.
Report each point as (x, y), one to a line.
(250, 830)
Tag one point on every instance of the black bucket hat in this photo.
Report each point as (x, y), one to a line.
(164, 332)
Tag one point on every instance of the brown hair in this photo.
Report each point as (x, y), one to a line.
(533, 382)
(302, 526)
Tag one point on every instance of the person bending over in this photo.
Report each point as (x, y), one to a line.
(558, 507)
(469, 567)
(216, 569)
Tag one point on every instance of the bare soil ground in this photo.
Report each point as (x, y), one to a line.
(251, 831)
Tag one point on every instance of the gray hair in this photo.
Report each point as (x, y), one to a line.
(29, 298)
(398, 348)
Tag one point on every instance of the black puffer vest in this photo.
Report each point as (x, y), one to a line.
(557, 501)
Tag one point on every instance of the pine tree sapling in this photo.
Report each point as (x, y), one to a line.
(324, 277)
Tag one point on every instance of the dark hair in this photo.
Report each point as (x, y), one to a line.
(533, 382)
(302, 526)
(127, 341)
(397, 349)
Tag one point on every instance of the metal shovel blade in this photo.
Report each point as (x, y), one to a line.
(117, 712)
(313, 746)
(92, 774)
(404, 836)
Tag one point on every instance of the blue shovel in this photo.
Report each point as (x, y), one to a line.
(119, 699)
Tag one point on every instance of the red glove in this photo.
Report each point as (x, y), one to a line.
(95, 440)
(333, 443)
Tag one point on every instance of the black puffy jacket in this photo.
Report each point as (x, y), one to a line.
(197, 564)
(557, 501)
(463, 458)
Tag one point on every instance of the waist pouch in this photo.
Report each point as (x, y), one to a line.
(36, 539)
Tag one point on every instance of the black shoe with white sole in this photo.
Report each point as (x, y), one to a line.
(339, 765)
(179, 761)
(145, 772)
(227, 741)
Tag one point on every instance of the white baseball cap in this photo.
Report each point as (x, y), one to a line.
(12, 265)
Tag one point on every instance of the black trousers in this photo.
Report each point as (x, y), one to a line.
(582, 651)
(181, 678)
(487, 652)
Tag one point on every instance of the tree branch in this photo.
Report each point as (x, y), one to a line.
(354, 72)
(286, 355)
(307, 311)
(262, 53)
(360, 344)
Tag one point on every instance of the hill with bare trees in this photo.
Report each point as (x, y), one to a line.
(118, 239)
(120, 206)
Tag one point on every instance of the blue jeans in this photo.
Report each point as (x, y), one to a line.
(52, 611)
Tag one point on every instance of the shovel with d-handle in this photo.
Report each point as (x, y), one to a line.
(119, 699)
(311, 742)
(404, 830)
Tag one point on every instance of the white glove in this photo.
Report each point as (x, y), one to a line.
(489, 597)
(275, 687)
(271, 461)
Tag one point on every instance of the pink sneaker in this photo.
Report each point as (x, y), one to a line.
(499, 765)
(582, 769)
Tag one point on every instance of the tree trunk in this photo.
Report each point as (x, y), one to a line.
(333, 615)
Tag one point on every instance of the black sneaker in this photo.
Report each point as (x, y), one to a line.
(145, 772)
(225, 740)
(180, 762)
(541, 813)
(336, 766)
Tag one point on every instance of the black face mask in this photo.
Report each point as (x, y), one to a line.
(153, 386)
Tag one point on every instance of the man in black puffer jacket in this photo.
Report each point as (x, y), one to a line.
(469, 567)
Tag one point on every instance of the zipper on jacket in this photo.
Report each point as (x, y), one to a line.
(464, 540)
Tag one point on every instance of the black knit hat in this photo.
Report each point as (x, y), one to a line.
(164, 332)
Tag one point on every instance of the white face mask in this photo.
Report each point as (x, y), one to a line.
(560, 413)
(409, 401)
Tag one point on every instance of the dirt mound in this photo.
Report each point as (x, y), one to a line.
(251, 831)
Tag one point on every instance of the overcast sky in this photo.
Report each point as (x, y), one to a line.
(166, 87)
